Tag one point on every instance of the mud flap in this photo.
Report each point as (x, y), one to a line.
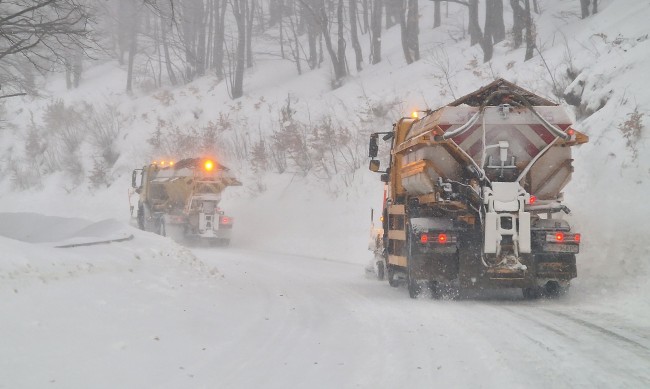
(469, 261)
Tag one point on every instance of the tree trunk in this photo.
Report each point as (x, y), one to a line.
(518, 23)
(474, 27)
(309, 17)
(275, 11)
(240, 57)
(393, 10)
(353, 35)
(219, 34)
(189, 38)
(375, 50)
(77, 68)
(584, 6)
(133, 48)
(124, 14)
(200, 19)
(404, 36)
(530, 32)
(249, 32)
(165, 44)
(366, 15)
(342, 61)
(437, 20)
(413, 29)
(338, 56)
(494, 25)
(296, 50)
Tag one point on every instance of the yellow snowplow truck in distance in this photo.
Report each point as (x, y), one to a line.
(181, 199)
(474, 195)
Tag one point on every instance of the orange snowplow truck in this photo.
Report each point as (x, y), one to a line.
(181, 199)
(474, 195)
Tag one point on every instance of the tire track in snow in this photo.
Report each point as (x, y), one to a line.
(601, 330)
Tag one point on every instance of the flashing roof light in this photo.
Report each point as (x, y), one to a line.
(424, 238)
(414, 114)
(570, 132)
(442, 238)
(559, 236)
(171, 163)
(208, 165)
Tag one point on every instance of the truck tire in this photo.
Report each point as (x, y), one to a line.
(411, 282)
(160, 227)
(390, 274)
(141, 217)
(436, 290)
(380, 270)
(554, 290)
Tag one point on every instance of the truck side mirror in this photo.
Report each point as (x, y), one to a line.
(134, 179)
(385, 177)
(374, 165)
(373, 148)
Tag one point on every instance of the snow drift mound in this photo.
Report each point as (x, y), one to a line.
(28, 253)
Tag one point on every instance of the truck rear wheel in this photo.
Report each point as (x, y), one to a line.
(380, 270)
(160, 227)
(141, 217)
(553, 289)
(411, 280)
(412, 283)
(390, 274)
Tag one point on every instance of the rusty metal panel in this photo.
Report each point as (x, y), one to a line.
(397, 234)
(397, 260)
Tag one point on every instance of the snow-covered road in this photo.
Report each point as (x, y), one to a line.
(147, 314)
(291, 321)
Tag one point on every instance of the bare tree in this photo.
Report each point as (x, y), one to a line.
(375, 31)
(250, 13)
(436, 15)
(584, 6)
(237, 79)
(408, 20)
(353, 34)
(134, 21)
(39, 34)
(219, 11)
(309, 17)
(494, 26)
(530, 32)
(518, 22)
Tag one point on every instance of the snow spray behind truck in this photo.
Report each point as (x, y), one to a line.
(182, 198)
(474, 195)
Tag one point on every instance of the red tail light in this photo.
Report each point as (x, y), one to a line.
(533, 199)
(442, 238)
(576, 237)
(570, 131)
(424, 238)
(225, 220)
(559, 236)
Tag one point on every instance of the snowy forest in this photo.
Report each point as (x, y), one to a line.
(284, 95)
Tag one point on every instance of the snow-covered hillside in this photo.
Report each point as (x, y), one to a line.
(315, 214)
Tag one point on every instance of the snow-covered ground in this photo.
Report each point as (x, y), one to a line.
(146, 313)
(290, 304)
